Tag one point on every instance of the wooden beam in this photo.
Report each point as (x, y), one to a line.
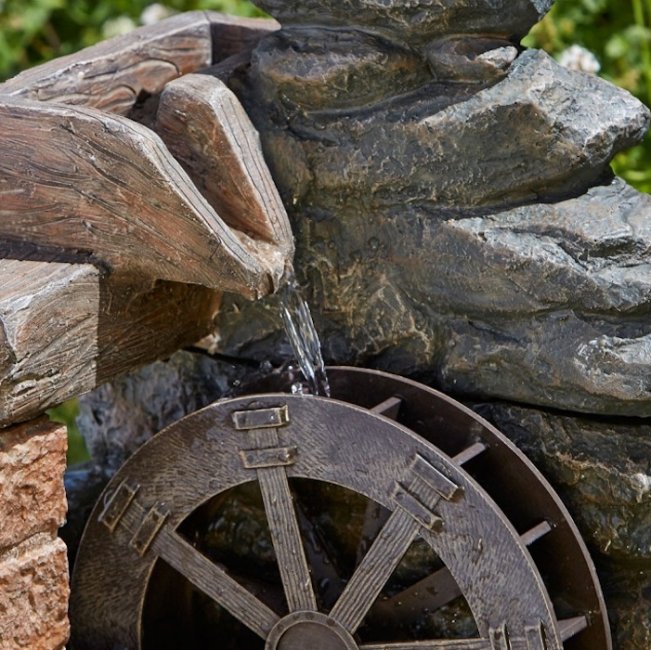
(112, 75)
(108, 187)
(231, 173)
(65, 328)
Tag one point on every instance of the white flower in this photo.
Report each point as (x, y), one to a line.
(154, 13)
(579, 58)
(117, 26)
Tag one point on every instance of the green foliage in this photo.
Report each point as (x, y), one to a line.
(67, 414)
(619, 35)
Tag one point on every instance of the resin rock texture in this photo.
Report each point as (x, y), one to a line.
(467, 231)
(417, 20)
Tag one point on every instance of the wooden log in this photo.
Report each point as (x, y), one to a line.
(66, 328)
(111, 75)
(106, 186)
(231, 172)
(116, 73)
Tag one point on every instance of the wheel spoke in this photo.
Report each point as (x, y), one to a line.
(438, 588)
(322, 564)
(389, 407)
(440, 644)
(214, 582)
(569, 627)
(286, 538)
(375, 516)
(375, 569)
(433, 591)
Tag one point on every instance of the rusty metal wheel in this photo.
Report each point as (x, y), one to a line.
(427, 475)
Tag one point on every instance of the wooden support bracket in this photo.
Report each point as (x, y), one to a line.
(65, 328)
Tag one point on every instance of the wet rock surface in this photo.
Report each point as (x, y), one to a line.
(600, 468)
(542, 304)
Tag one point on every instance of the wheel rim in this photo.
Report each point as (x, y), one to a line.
(276, 438)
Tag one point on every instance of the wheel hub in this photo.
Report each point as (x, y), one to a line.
(312, 630)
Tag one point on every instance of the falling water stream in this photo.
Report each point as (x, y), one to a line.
(304, 339)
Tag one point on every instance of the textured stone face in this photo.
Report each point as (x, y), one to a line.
(164, 392)
(543, 304)
(32, 462)
(34, 595)
(419, 19)
(339, 68)
(542, 131)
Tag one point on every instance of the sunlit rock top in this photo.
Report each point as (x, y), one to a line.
(416, 20)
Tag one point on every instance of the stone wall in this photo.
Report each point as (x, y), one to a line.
(33, 560)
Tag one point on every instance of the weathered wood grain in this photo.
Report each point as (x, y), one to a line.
(205, 127)
(112, 75)
(115, 74)
(104, 185)
(65, 328)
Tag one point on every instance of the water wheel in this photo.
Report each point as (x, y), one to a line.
(390, 517)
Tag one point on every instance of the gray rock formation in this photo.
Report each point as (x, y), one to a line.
(416, 20)
(542, 131)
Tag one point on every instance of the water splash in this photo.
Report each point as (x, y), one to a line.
(303, 337)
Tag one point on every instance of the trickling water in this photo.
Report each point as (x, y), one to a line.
(303, 337)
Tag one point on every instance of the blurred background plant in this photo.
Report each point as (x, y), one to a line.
(611, 38)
